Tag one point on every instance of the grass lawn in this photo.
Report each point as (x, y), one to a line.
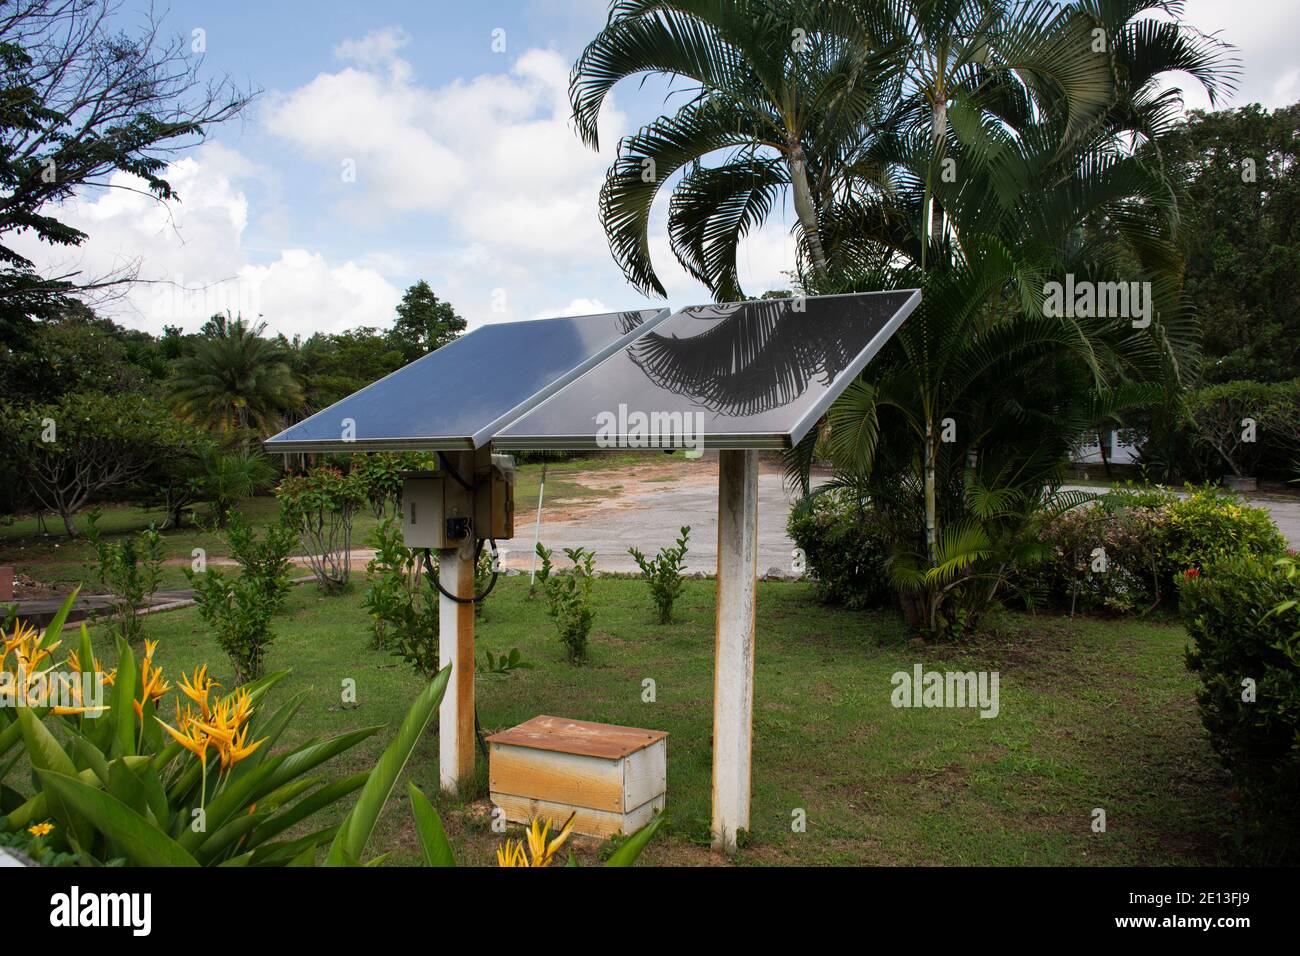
(1093, 714)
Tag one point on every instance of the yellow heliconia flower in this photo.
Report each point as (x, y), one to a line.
(198, 688)
(40, 829)
(239, 749)
(74, 664)
(540, 851)
(222, 725)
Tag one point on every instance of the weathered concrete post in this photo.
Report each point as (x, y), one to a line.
(733, 676)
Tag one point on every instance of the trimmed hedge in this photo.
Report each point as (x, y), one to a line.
(1242, 645)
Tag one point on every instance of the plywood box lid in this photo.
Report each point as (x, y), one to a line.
(578, 737)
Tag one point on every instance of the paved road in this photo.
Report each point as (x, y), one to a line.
(647, 514)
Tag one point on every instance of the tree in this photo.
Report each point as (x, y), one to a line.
(333, 366)
(81, 99)
(236, 379)
(424, 322)
(794, 94)
(1242, 207)
(82, 446)
(75, 351)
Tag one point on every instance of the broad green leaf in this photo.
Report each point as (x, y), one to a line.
(122, 712)
(428, 827)
(45, 754)
(141, 842)
(626, 854)
(360, 822)
(308, 806)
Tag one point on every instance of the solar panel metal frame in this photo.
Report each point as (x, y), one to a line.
(759, 441)
(483, 435)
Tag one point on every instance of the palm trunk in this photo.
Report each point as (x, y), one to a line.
(931, 507)
(805, 208)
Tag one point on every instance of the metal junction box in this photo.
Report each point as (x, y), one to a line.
(438, 512)
(494, 499)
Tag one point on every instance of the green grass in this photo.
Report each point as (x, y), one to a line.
(1093, 714)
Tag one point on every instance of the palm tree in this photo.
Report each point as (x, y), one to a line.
(789, 97)
(782, 89)
(236, 379)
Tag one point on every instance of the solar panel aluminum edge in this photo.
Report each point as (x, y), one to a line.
(756, 375)
(458, 380)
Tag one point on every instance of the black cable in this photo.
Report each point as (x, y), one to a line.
(432, 575)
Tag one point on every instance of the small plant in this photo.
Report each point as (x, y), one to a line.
(402, 604)
(320, 506)
(240, 609)
(129, 570)
(500, 665)
(568, 598)
(394, 574)
(664, 574)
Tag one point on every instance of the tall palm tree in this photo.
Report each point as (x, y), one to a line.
(786, 97)
(236, 379)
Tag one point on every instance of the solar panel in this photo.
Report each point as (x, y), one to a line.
(458, 396)
(753, 374)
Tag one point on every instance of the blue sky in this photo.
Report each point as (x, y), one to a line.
(467, 172)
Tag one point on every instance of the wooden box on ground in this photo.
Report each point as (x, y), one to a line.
(613, 778)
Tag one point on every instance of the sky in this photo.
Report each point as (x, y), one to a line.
(394, 141)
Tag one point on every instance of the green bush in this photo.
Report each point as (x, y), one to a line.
(239, 610)
(664, 574)
(1210, 524)
(568, 598)
(129, 569)
(1102, 557)
(845, 549)
(320, 505)
(1145, 538)
(1247, 656)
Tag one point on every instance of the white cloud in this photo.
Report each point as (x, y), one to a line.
(1264, 33)
(494, 155)
(192, 261)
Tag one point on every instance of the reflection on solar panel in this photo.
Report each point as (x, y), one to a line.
(748, 375)
(459, 395)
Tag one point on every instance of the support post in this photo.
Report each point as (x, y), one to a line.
(456, 648)
(733, 668)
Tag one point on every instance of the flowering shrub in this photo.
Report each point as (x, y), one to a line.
(114, 781)
(1127, 551)
(320, 505)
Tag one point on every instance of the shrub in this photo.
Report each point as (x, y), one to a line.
(380, 474)
(129, 570)
(1210, 524)
(228, 477)
(320, 506)
(240, 610)
(664, 574)
(845, 547)
(1101, 557)
(1125, 552)
(1230, 607)
(568, 598)
(394, 582)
